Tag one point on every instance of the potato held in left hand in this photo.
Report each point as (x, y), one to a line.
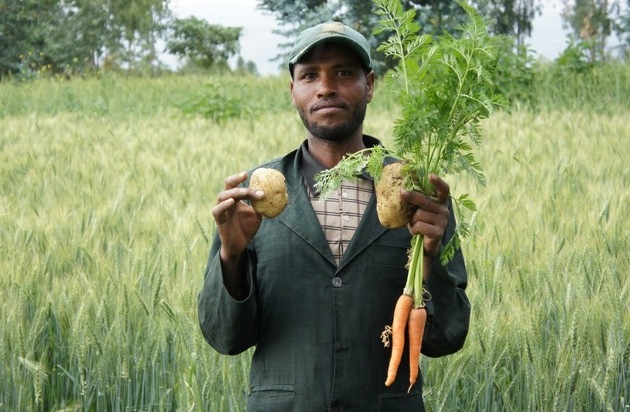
(273, 184)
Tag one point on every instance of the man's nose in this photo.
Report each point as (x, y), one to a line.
(327, 86)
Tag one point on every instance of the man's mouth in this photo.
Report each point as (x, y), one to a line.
(327, 105)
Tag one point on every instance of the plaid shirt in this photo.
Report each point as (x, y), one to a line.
(340, 214)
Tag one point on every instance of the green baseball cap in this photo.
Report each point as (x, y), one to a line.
(330, 32)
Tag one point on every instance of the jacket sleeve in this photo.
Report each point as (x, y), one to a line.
(227, 324)
(448, 308)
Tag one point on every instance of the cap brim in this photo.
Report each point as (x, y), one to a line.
(351, 44)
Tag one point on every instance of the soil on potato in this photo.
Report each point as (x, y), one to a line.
(393, 212)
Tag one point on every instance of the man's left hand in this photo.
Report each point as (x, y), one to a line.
(431, 216)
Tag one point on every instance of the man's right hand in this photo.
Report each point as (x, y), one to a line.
(237, 222)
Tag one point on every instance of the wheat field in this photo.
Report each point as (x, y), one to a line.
(106, 186)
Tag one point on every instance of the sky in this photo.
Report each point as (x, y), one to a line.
(259, 44)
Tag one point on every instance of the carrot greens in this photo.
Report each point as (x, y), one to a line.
(446, 89)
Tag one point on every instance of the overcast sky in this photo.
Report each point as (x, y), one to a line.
(259, 44)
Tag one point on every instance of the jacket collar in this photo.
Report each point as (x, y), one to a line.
(300, 217)
(310, 166)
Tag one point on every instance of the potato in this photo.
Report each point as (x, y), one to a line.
(273, 183)
(393, 212)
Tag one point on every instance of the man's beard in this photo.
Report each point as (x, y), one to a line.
(336, 133)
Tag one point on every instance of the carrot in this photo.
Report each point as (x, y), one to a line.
(399, 326)
(415, 326)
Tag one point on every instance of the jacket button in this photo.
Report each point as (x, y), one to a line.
(337, 282)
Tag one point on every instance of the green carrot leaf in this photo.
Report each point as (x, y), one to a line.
(446, 91)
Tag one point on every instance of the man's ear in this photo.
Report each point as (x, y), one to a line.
(370, 78)
(291, 88)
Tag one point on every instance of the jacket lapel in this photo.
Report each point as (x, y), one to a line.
(299, 215)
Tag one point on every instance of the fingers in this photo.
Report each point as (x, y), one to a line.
(235, 180)
(240, 193)
(221, 212)
(231, 196)
(426, 202)
(432, 215)
(420, 200)
(429, 229)
(442, 190)
(233, 190)
(431, 225)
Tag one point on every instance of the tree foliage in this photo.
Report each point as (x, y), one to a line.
(622, 29)
(137, 23)
(75, 35)
(511, 17)
(435, 17)
(23, 32)
(203, 44)
(591, 24)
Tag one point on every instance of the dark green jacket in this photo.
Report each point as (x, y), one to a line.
(316, 326)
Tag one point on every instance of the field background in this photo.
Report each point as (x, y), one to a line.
(106, 186)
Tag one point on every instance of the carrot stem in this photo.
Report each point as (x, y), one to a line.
(415, 275)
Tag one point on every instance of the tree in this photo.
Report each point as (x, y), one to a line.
(80, 37)
(296, 15)
(76, 35)
(137, 25)
(434, 15)
(203, 44)
(622, 29)
(24, 30)
(513, 17)
(248, 67)
(591, 23)
(118, 33)
(437, 16)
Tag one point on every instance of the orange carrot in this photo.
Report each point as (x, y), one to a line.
(415, 326)
(399, 326)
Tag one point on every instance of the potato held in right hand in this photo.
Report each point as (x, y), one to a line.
(393, 212)
(273, 183)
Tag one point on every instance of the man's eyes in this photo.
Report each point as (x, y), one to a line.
(338, 73)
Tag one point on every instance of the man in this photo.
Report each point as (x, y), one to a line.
(313, 288)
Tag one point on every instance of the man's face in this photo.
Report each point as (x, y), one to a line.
(331, 90)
